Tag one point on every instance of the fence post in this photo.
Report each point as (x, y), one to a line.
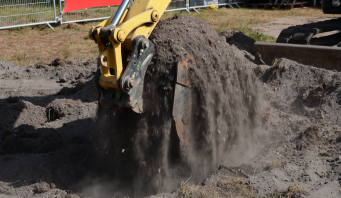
(55, 16)
(60, 12)
(54, 10)
(187, 6)
(193, 8)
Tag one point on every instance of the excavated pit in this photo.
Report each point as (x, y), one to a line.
(141, 150)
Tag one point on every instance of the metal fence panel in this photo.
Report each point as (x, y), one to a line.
(176, 5)
(18, 13)
(206, 3)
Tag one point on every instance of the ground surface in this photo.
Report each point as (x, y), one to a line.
(33, 148)
(47, 121)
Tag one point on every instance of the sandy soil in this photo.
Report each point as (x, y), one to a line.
(46, 118)
(302, 156)
(275, 27)
(48, 115)
(303, 118)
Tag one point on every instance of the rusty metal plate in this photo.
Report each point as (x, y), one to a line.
(182, 100)
(182, 72)
(317, 56)
(181, 111)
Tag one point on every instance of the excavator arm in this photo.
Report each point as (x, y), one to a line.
(122, 85)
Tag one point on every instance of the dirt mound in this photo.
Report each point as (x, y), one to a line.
(60, 62)
(4, 66)
(72, 26)
(71, 70)
(314, 92)
(243, 42)
(303, 117)
(18, 112)
(242, 45)
(225, 112)
(74, 109)
(38, 190)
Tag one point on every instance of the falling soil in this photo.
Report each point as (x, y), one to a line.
(225, 112)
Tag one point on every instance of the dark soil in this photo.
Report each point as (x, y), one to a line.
(45, 135)
(303, 118)
(274, 128)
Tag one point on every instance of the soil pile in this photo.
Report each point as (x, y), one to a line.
(239, 39)
(303, 118)
(225, 112)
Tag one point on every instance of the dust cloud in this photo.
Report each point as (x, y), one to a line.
(138, 154)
